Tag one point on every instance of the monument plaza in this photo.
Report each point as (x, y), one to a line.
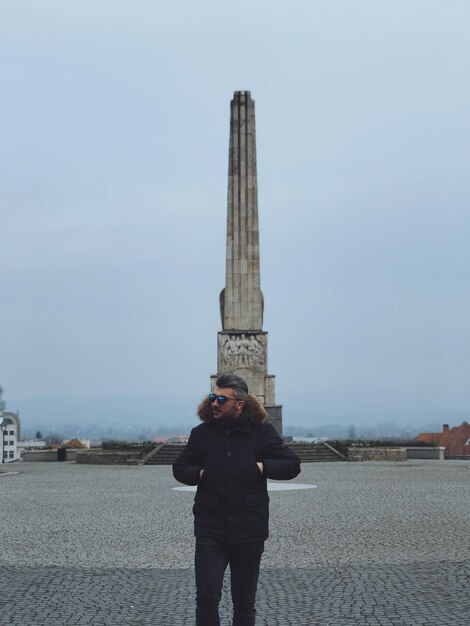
(373, 544)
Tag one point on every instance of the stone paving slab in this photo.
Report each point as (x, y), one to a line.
(389, 595)
(63, 514)
(375, 544)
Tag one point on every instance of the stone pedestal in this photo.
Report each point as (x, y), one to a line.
(275, 416)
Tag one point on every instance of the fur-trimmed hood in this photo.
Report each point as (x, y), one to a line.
(256, 411)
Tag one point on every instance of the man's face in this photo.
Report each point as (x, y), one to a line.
(230, 408)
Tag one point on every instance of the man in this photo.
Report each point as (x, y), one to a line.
(229, 457)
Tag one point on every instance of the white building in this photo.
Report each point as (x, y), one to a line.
(9, 430)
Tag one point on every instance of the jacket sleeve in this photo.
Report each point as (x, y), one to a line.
(279, 462)
(188, 464)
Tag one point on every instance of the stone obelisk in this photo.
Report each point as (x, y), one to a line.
(242, 343)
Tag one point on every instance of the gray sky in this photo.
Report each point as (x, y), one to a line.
(114, 151)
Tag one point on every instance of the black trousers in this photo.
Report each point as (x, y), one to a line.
(212, 558)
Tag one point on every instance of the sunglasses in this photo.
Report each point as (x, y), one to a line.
(221, 400)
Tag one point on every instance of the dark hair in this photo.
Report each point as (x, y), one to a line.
(235, 382)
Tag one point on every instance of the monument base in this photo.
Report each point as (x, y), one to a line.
(245, 352)
(275, 416)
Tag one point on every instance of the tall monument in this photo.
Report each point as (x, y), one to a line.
(242, 343)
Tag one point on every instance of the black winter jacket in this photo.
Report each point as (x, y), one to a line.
(231, 501)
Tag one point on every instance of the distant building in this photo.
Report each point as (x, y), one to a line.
(456, 441)
(9, 432)
(30, 444)
(76, 444)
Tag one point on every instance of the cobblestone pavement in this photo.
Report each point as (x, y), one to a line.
(376, 544)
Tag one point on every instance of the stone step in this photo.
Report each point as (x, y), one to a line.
(307, 453)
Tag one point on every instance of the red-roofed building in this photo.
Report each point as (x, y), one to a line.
(75, 444)
(456, 441)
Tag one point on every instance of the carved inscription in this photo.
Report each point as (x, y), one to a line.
(242, 351)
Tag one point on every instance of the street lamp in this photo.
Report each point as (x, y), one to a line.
(3, 428)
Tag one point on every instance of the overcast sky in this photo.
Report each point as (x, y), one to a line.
(114, 153)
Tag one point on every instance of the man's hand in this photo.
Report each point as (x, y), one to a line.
(260, 465)
(201, 472)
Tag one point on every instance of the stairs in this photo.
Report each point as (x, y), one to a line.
(166, 453)
(316, 452)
